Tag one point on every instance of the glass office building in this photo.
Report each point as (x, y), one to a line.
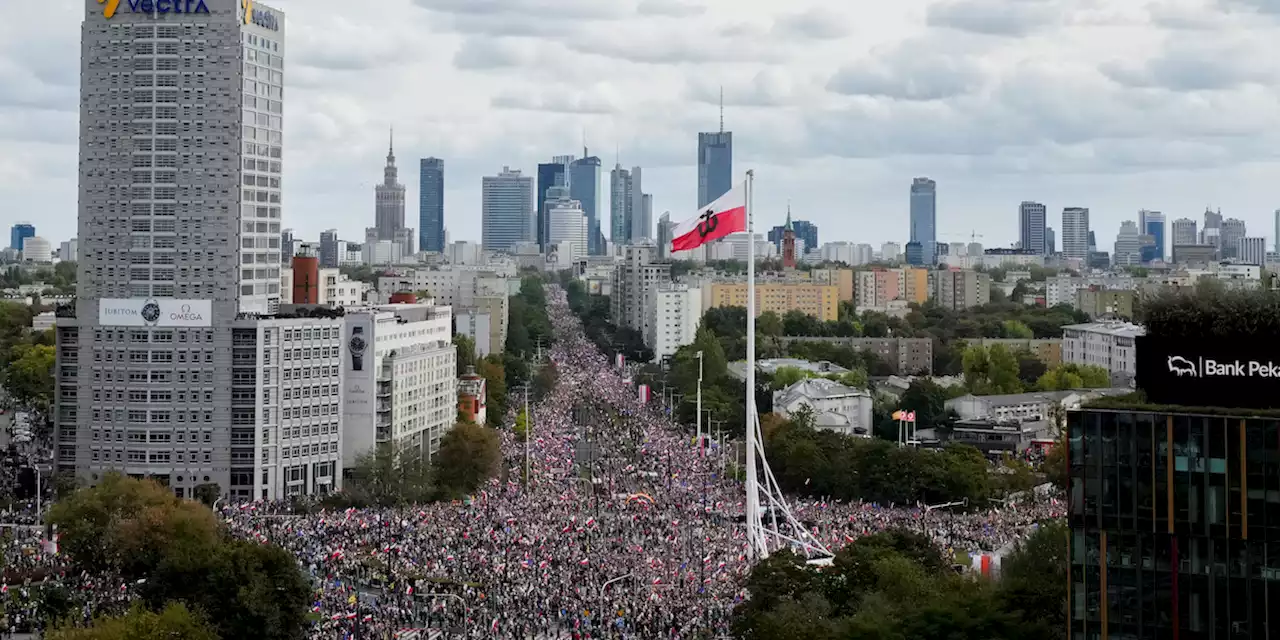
(1175, 525)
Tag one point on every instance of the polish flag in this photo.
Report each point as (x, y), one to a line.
(728, 214)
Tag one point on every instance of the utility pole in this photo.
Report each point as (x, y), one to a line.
(528, 437)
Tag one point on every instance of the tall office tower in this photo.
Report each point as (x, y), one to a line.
(24, 230)
(550, 174)
(806, 232)
(1252, 251)
(621, 204)
(389, 202)
(1050, 241)
(1151, 223)
(507, 210)
(642, 219)
(924, 219)
(1277, 224)
(330, 256)
(1127, 247)
(1031, 225)
(1093, 242)
(566, 223)
(584, 186)
(431, 205)
(1183, 231)
(1232, 231)
(1075, 233)
(666, 233)
(179, 224)
(715, 162)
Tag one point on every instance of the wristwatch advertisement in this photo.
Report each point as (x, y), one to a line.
(357, 345)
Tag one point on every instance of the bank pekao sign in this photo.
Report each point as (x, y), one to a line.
(154, 312)
(1209, 372)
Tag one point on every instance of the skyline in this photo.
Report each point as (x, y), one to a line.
(1171, 124)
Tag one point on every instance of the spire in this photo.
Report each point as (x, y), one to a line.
(721, 108)
(788, 227)
(391, 146)
(584, 143)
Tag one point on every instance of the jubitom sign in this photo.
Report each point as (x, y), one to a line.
(1216, 372)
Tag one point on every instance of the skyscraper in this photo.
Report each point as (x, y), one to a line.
(1075, 233)
(1031, 225)
(715, 162)
(666, 233)
(642, 218)
(179, 225)
(431, 204)
(1252, 251)
(1232, 231)
(1050, 241)
(584, 186)
(566, 223)
(1151, 223)
(1126, 251)
(1277, 226)
(329, 258)
(550, 174)
(621, 204)
(20, 232)
(924, 219)
(389, 201)
(1183, 231)
(507, 210)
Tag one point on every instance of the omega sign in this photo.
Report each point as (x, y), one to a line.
(1209, 372)
(157, 312)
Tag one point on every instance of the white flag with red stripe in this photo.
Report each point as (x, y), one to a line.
(728, 214)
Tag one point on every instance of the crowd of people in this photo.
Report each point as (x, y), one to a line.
(622, 529)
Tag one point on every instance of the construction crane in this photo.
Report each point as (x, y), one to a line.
(973, 235)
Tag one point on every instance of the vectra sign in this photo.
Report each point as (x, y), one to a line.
(1210, 372)
(152, 6)
(261, 17)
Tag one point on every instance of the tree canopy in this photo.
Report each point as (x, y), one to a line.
(469, 455)
(174, 622)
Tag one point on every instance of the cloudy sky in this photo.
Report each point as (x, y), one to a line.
(1115, 105)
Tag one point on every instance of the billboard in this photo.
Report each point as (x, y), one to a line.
(1209, 372)
(154, 312)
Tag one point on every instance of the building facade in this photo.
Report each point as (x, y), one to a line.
(20, 232)
(924, 218)
(674, 312)
(821, 301)
(566, 224)
(1075, 233)
(431, 205)
(550, 175)
(1031, 225)
(635, 281)
(401, 380)
(960, 289)
(1175, 524)
(389, 205)
(715, 165)
(621, 205)
(179, 225)
(1152, 223)
(1109, 345)
(584, 186)
(507, 210)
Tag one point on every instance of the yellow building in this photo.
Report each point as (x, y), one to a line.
(819, 300)
(915, 285)
(841, 278)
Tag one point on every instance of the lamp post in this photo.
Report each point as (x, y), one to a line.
(699, 402)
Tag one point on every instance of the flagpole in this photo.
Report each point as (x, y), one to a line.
(753, 490)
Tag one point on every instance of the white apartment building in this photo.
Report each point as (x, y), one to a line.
(36, 249)
(1109, 345)
(1062, 289)
(335, 290)
(478, 326)
(286, 408)
(463, 252)
(634, 282)
(835, 407)
(674, 311)
(401, 379)
(383, 252)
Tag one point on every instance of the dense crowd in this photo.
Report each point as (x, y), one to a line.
(623, 529)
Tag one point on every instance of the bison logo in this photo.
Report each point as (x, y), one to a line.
(1182, 366)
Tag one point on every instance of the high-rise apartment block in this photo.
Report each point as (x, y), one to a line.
(673, 315)
(1031, 227)
(924, 220)
(507, 210)
(635, 281)
(431, 205)
(960, 289)
(179, 225)
(1075, 233)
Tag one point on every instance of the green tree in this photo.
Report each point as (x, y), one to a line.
(521, 428)
(545, 381)
(1015, 329)
(769, 324)
(207, 494)
(387, 478)
(126, 526)
(991, 370)
(495, 378)
(784, 377)
(469, 454)
(466, 352)
(1033, 581)
(1074, 376)
(15, 318)
(175, 622)
(29, 376)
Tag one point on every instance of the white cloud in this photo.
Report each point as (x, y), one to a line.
(1164, 104)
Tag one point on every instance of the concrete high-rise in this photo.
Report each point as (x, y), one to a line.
(330, 256)
(507, 210)
(1184, 232)
(924, 218)
(1232, 230)
(666, 233)
(431, 205)
(1127, 248)
(623, 195)
(1075, 233)
(179, 225)
(1031, 226)
(566, 224)
(1050, 241)
(389, 202)
(584, 186)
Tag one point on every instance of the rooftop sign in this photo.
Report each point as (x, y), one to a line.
(1209, 372)
(153, 6)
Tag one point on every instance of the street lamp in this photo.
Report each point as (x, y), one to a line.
(699, 402)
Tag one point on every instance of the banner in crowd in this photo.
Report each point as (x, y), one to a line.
(644, 393)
